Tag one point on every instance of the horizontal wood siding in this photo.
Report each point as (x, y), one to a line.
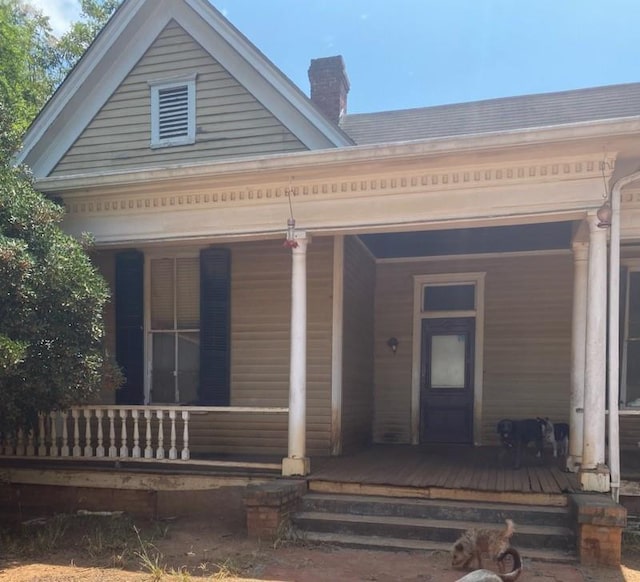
(230, 121)
(358, 329)
(260, 334)
(527, 339)
(238, 433)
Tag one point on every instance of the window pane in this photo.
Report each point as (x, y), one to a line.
(447, 361)
(163, 379)
(449, 297)
(162, 294)
(188, 366)
(634, 305)
(188, 293)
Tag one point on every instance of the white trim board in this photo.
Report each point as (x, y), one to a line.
(419, 281)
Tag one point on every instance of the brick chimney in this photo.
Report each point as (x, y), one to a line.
(329, 86)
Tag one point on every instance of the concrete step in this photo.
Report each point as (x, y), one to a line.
(412, 528)
(388, 543)
(486, 513)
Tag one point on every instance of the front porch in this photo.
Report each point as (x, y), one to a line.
(445, 471)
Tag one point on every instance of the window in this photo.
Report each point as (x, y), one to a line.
(449, 297)
(173, 116)
(630, 389)
(175, 329)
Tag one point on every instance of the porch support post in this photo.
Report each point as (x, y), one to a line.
(578, 346)
(594, 475)
(297, 463)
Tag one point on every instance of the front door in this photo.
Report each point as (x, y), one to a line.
(446, 393)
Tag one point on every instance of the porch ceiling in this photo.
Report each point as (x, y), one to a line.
(497, 239)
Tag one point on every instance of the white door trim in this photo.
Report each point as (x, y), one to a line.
(419, 282)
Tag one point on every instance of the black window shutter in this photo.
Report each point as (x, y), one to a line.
(130, 325)
(215, 327)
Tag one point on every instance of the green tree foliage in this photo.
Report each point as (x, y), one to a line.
(33, 62)
(51, 302)
(72, 45)
(28, 59)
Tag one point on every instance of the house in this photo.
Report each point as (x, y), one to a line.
(293, 281)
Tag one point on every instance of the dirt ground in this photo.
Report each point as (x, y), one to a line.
(204, 550)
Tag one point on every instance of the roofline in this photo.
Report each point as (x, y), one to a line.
(258, 60)
(493, 100)
(116, 27)
(75, 78)
(378, 152)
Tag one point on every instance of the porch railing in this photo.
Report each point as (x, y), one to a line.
(151, 433)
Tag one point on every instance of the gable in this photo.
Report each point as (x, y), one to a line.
(132, 34)
(230, 121)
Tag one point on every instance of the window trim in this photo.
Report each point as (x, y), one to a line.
(632, 266)
(156, 86)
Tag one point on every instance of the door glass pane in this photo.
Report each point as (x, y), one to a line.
(164, 382)
(449, 298)
(188, 366)
(447, 361)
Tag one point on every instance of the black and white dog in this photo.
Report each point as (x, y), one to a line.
(557, 435)
(515, 435)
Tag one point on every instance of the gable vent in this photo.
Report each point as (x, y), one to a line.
(173, 112)
(173, 107)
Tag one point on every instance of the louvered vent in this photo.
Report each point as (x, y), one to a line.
(173, 112)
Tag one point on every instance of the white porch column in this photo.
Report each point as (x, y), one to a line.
(594, 475)
(297, 463)
(578, 345)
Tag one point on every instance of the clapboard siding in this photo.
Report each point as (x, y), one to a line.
(260, 334)
(357, 367)
(228, 433)
(260, 350)
(527, 339)
(230, 121)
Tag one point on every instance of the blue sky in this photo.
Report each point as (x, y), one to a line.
(415, 53)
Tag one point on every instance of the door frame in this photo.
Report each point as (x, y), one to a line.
(419, 283)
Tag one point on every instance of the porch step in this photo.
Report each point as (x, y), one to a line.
(425, 524)
(382, 543)
(437, 509)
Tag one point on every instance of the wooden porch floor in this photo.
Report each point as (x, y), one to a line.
(446, 467)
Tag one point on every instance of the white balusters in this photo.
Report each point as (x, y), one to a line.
(160, 449)
(105, 432)
(75, 414)
(20, 448)
(185, 435)
(65, 435)
(124, 449)
(113, 451)
(31, 449)
(88, 449)
(9, 449)
(148, 451)
(173, 452)
(135, 453)
(54, 450)
(100, 447)
(42, 435)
